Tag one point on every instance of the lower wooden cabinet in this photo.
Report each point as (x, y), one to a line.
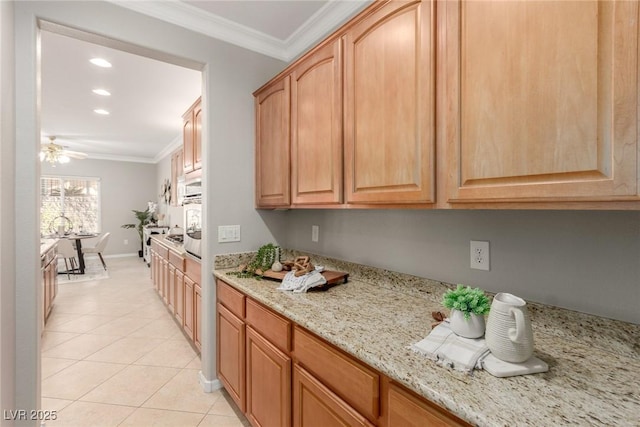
(188, 307)
(282, 375)
(179, 293)
(177, 278)
(268, 383)
(315, 405)
(49, 270)
(197, 316)
(230, 342)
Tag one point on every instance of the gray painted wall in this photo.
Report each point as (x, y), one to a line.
(124, 186)
(587, 261)
(7, 215)
(230, 75)
(173, 214)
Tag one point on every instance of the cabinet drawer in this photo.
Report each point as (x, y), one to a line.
(273, 327)
(314, 404)
(403, 409)
(192, 269)
(231, 298)
(177, 260)
(161, 250)
(355, 383)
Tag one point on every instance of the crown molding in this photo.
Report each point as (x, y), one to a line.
(321, 24)
(169, 149)
(182, 14)
(118, 158)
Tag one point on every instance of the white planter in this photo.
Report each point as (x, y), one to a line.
(467, 328)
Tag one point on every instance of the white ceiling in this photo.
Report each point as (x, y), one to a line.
(148, 97)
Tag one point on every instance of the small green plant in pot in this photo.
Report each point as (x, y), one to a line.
(264, 259)
(144, 218)
(468, 307)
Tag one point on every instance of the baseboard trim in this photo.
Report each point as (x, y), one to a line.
(209, 386)
(121, 255)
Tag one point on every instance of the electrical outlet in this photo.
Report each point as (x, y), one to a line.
(315, 230)
(480, 255)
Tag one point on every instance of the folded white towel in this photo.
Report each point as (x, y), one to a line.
(302, 283)
(451, 350)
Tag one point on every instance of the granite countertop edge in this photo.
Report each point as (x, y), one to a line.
(593, 361)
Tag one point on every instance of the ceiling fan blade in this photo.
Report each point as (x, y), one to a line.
(74, 154)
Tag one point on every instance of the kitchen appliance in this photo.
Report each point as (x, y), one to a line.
(188, 188)
(193, 225)
(147, 231)
(509, 333)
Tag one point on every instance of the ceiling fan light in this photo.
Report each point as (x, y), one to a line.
(42, 156)
(100, 62)
(101, 92)
(63, 159)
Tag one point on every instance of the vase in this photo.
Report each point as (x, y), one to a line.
(509, 333)
(473, 327)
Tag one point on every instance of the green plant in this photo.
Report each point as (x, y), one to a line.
(264, 259)
(467, 300)
(144, 218)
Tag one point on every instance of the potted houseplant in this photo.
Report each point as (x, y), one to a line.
(468, 307)
(144, 218)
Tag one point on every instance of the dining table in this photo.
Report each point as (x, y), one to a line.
(78, 238)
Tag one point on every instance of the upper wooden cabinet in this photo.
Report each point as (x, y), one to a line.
(536, 107)
(192, 137)
(273, 144)
(389, 105)
(316, 125)
(177, 165)
(541, 100)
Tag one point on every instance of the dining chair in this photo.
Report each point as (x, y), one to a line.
(98, 248)
(66, 251)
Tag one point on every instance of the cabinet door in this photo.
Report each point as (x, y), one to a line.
(171, 286)
(316, 124)
(164, 266)
(188, 306)
(197, 136)
(197, 316)
(541, 100)
(176, 171)
(179, 293)
(405, 410)
(268, 383)
(187, 141)
(389, 102)
(272, 145)
(314, 405)
(230, 354)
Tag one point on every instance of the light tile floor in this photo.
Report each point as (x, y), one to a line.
(113, 356)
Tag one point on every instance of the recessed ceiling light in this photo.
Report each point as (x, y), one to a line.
(101, 62)
(102, 92)
(101, 111)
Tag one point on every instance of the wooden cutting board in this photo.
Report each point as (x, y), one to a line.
(333, 278)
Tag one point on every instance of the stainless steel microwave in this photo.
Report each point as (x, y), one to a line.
(188, 189)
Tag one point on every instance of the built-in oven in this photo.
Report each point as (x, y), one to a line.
(192, 207)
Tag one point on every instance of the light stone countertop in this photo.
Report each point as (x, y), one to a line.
(594, 363)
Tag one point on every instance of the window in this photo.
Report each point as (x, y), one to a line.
(69, 202)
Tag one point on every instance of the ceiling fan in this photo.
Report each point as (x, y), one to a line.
(56, 153)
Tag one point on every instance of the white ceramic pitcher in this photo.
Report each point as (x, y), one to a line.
(509, 335)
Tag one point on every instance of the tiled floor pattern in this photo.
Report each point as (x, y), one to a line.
(113, 356)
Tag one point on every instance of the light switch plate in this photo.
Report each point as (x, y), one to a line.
(228, 233)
